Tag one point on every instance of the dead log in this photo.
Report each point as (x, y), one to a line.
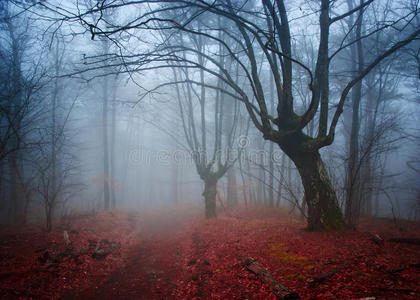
(66, 238)
(48, 260)
(377, 239)
(104, 248)
(322, 277)
(412, 241)
(278, 289)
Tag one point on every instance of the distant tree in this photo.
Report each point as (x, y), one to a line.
(414, 165)
(53, 160)
(107, 82)
(105, 99)
(371, 126)
(21, 78)
(212, 162)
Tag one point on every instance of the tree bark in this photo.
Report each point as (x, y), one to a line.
(14, 198)
(271, 177)
(353, 192)
(323, 210)
(281, 181)
(105, 145)
(175, 183)
(261, 177)
(232, 195)
(210, 191)
(112, 148)
(48, 216)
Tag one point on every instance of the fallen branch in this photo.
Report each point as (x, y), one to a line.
(278, 289)
(99, 249)
(48, 260)
(377, 239)
(413, 241)
(66, 238)
(322, 277)
(104, 248)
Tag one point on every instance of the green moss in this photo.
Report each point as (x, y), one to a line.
(278, 251)
(289, 123)
(332, 219)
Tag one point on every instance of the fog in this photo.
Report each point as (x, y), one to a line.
(197, 149)
(141, 106)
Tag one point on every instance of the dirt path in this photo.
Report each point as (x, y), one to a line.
(151, 265)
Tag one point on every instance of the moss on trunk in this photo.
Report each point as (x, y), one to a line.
(323, 209)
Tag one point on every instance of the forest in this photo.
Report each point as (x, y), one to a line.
(209, 149)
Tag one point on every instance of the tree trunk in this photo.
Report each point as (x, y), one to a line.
(14, 199)
(352, 208)
(261, 179)
(281, 180)
(271, 148)
(54, 103)
(2, 195)
(209, 194)
(271, 176)
(323, 210)
(175, 183)
(105, 125)
(241, 171)
(105, 144)
(112, 146)
(48, 217)
(232, 195)
(368, 170)
(289, 183)
(28, 199)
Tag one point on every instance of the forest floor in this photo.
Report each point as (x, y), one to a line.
(173, 253)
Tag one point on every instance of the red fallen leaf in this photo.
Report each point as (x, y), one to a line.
(290, 254)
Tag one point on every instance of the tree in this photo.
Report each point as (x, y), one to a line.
(32, 120)
(21, 80)
(53, 161)
(212, 162)
(372, 128)
(105, 96)
(353, 195)
(108, 86)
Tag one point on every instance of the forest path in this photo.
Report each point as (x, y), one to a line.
(152, 264)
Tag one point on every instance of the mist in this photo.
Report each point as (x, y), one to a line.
(152, 140)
